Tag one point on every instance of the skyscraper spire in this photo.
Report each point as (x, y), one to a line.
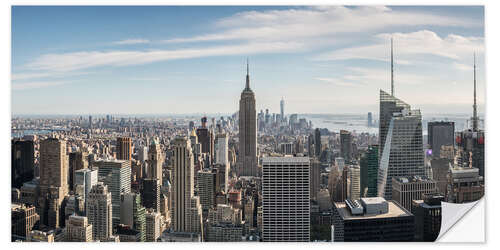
(392, 71)
(247, 86)
(474, 114)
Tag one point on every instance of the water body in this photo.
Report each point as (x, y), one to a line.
(21, 133)
(359, 123)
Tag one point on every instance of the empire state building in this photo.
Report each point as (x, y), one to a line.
(247, 156)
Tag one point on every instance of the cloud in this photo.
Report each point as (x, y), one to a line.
(131, 41)
(408, 45)
(83, 60)
(325, 21)
(45, 74)
(35, 85)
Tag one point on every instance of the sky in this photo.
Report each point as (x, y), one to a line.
(187, 60)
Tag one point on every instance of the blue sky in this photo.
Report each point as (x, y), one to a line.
(160, 60)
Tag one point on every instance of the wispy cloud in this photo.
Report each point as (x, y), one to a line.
(45, 74)
(83, 60)
(131, 41)
(312, 23)
(35, 85)
(408, 45)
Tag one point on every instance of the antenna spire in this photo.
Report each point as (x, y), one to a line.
(392, 70)
(247, 86)
(474, 115)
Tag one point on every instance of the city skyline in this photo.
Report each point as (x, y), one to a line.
(91, 75)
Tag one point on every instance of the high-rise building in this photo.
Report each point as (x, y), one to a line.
(77, 161)
(471, 141)
(247, 156)
(402, 148)
(317, 142)
(206, 139)
(440, 167)
(372, 219)
(206, 189)
(440, 134)
(78, 229)
(133, 214)
(315, 178)
(24, 217)
(464, 185)
(407, 189)
(346, 145)
(282, 108)
(85, 179)
(224, 232)
(223, 159)
(155, 161)
(286, 200)
(370, 120)
(153, 226)
(99, 212)
(187, 212)
(286, 148)
(354, 182)
(151, 194)
(124, 148)
(23, 157)
(427, 213)
(53, 180)
(369, 172)
(388, 106)
(116, 175)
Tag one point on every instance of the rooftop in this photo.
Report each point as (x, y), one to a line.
(286, 159)
(394, 210)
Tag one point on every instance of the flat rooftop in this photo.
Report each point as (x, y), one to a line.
(285, 159)
(394, 211)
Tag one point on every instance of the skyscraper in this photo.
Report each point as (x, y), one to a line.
(85, 179)
(369, 172)
(407, 189)
(53, 180)
(206, 139)
(402, 150)
(99, 212)
(370, 119)
(23, 157)
(282, 108)
(247, 156)
(24, 217)
(346, 145)
(354, 182)
(116, 175)
(427, 211)
(155, 161)
(440, 134)
(186, 215)
(223, 157)
(78, 229)
(124, 148)
(317, 142)
(315, 178)
(286, 204)
(471, 141)
(153, 226)
(77, 161)
(206, 189)
(151, 193)
(133, 214)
